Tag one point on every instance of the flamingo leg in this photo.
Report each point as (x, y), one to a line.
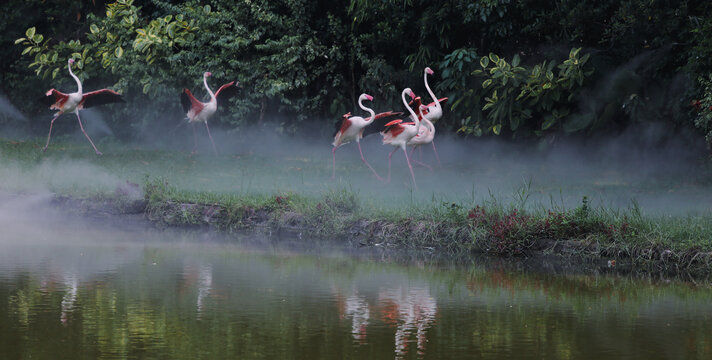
(211, 139)
(436, 154)
(87, 135)
(389, 165)
(410, 167)
(50, 131)
(421, 163)
(366, 162)
(195, 140)
(333, 162)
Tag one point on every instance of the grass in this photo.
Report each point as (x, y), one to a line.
(293, 190)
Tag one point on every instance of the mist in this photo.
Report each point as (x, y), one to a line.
(650, 165)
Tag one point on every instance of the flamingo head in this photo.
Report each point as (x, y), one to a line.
(409, 92)
(429, 71)
(368, 97)
(207, 74)
(70, 61)
(347, 115)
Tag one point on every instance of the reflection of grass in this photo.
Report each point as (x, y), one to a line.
(295, 190)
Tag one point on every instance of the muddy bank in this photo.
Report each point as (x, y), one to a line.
(453, 236)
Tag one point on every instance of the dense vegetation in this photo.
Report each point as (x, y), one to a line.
(524, 69)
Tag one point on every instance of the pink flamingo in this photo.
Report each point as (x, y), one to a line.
(397, 133)
(425, 134)
(67, 103)
(198, 111)
(351, 128)
(431, 112)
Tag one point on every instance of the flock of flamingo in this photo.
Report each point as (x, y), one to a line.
(415, 133)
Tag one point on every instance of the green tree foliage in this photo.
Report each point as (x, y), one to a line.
(637, 59)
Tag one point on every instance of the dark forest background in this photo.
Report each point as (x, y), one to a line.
(536, 70)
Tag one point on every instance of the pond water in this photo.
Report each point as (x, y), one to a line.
(74, 289)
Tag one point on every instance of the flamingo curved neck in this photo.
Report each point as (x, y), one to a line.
(79, 83)
(412, 113)
(367, 109)
(212, 95)
(427, 87)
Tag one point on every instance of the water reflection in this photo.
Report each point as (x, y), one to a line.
(153, 295)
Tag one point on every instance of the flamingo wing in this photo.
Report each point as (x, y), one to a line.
(225, 92)
(441, 101)
(341, 125)
(189, 101)
(54, 99)
(100, 97)
(381, 121)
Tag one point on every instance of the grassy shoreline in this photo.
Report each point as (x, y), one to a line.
(236, 192)
(675, 245)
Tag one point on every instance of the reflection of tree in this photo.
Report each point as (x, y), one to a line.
(415, 309)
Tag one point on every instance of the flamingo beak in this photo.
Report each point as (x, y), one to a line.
(71, 61)
(369, 97)
(412, 95)
(208, 73)
(429, 71)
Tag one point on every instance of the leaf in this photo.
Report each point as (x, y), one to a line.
(486, 83)
(19, 40)
(94, 29)
(141, 32)
(30, 32)
(515, 60)
(118, 52)
(27, 49)
(38, 38)
(146, 88)
(206, 9)
(548, 122)
(494, 57)
(496, 129)
(54, 73)
(484, 61)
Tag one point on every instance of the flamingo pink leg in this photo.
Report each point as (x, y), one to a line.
(410, 167)
(366, 162)
(436, 154)
(333, 162)
(87, 135)
(50, 132)
(211, 139)
(421, 163)
(389, 165)
(195, 139)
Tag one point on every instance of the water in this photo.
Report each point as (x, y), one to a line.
(96, 290)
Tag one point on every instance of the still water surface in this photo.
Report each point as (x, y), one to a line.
(78, 290)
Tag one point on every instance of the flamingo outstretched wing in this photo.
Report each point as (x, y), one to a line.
(226, 91)
(54, 99)
(189, 101)
(100, 97)
(380, 122)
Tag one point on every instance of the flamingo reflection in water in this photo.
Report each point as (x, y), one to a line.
(413, 310)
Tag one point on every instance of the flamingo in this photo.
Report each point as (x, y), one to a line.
(397, 133)
(433, 111)
(198, 111)
(351, 128)
(67, 103)
(425, 134)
